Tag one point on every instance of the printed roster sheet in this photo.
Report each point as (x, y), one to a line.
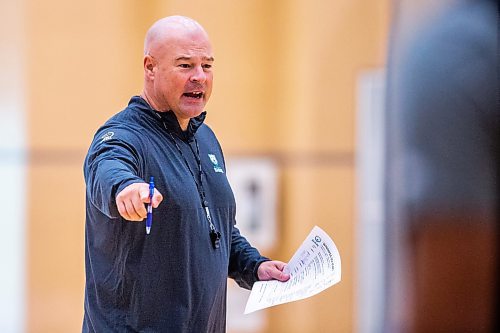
(313, 268)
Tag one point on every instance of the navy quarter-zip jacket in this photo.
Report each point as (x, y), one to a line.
(171, 280)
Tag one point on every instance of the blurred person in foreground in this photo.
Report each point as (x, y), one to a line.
(443, 175)
(175, 278)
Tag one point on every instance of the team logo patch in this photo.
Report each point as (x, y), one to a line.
(217, 167)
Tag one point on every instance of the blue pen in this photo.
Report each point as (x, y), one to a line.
(149, 218)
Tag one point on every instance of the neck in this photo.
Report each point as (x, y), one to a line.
(151, 102)
(183, 123)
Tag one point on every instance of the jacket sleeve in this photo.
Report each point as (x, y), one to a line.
(244, 260)
(110, 166)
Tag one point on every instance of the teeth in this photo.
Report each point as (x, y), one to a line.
(195, 94)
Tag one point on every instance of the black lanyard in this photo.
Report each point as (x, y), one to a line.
(214, 234)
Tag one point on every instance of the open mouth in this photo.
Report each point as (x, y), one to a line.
(194, 94)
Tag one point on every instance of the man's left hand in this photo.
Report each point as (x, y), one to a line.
(272, 270)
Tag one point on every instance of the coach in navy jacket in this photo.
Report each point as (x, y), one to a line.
(173, 279)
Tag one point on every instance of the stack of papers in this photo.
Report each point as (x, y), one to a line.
(313, 268)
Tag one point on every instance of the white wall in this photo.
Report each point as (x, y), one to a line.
(370, 240)
(12, 168)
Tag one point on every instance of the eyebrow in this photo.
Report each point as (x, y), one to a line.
(187, 58)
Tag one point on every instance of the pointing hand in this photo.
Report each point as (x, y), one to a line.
(130, 201)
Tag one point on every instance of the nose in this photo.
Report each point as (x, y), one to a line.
(198, 75)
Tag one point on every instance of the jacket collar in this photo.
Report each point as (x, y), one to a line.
(169, 119)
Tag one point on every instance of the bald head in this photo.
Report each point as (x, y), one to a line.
(163, 30)
(177, 67)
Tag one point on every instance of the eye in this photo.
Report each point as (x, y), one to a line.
(207, 66)
(184, 65)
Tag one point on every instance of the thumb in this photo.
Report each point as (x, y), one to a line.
(157, 198)
(280, 265)
(281, 274)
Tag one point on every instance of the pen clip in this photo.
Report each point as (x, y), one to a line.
(151, 187)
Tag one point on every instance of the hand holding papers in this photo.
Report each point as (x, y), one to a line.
(313, 268)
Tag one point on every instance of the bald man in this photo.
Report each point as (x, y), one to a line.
(174, 278)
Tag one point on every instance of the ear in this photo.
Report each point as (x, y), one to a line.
(149, 66)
